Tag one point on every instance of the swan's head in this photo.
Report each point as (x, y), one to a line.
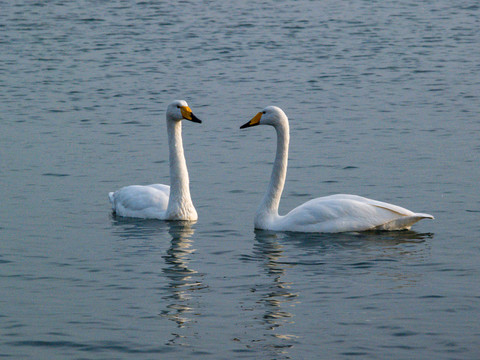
(271, 115)
(179, 110)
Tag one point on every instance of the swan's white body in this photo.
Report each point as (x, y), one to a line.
(335, 213)
(158, 201)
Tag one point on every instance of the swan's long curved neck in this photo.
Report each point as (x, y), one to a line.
(269, 205)
(180, 200)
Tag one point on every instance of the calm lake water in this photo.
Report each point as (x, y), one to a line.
(383, 100)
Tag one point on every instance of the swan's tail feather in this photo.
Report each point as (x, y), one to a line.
(404, 222)
(425, 216)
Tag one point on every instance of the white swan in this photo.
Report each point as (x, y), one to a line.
(158, 201)
(335, 213)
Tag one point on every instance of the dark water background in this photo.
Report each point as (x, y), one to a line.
(383, 100)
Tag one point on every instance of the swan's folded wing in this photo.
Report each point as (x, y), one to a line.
(340, 213)
(161, 187)
(141, 201)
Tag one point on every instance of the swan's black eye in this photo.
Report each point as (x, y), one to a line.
(263, 112)
(178, 106)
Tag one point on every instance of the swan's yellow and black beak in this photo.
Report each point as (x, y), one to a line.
(255, 121)
(188, 114)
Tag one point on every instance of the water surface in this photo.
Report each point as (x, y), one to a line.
(383, 102)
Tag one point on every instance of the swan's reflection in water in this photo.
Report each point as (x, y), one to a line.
(285, 255)
(182, 280)
(277, 296)
(378, 252)
(144, 245)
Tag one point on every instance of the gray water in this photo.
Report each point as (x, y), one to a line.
(383, 100)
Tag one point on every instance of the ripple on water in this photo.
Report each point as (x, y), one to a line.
(383, 101)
